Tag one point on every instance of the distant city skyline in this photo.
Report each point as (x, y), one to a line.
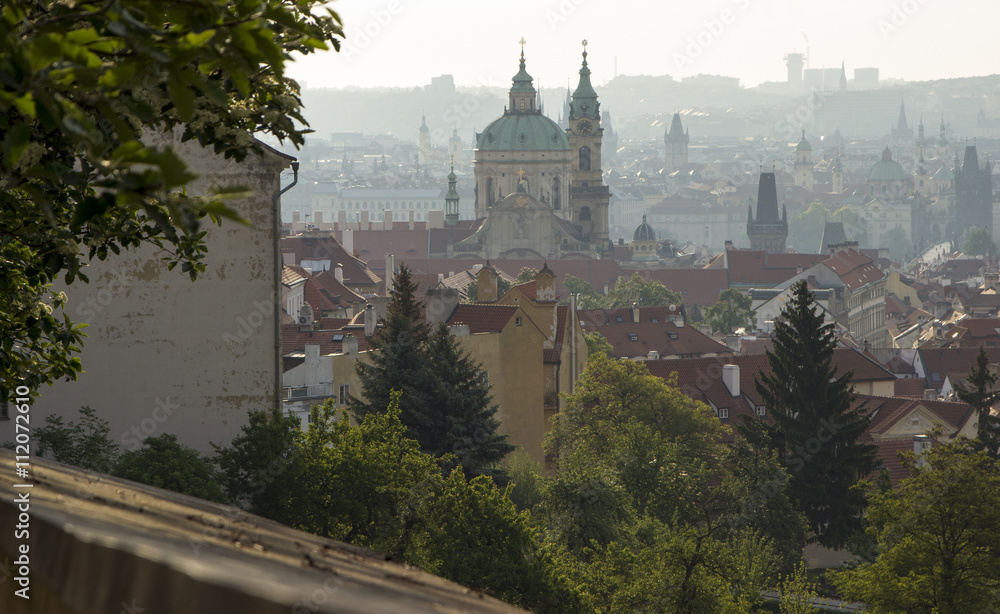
(399, 43)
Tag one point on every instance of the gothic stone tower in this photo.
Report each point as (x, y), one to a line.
(768, 232)
(589, 197)
(676, 140)
(973, 193)
(804, 164)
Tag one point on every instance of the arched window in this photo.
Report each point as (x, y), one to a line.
(555, 193)
(585, 158)
(489, 192)
(585, 214)
(522, 104)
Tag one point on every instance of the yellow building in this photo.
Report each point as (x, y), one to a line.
(530, 347)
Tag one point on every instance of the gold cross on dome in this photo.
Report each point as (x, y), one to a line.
(520, 174)
(584, 42)
(522, 42)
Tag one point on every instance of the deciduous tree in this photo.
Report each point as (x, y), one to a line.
(731, 312)
(83, 86)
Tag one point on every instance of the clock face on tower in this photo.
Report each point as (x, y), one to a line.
(583, 127)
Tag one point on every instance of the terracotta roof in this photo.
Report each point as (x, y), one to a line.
(291, 275)
(909, 387)
(854, 269)
(637, 340)
(613, 317)
(325, 247)
(756, 346)
(939, 362)
(529, 289)
(696, 286)
(554, 355)
(748, 267)
(294, 340)
(483, 318)
(338, 293)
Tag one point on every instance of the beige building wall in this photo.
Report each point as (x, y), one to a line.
(164, 354)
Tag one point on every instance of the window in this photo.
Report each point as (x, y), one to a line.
(633, 338)
(761, 411)
(619, 319)
(723, 413)
(484, 377)
(517, 321)
(345, 393)
(338, 337)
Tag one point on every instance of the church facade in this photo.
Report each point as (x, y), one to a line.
(539, 187)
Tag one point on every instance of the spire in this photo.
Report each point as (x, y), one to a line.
(843, 77)
(902, 116)
(676, 133)
(767, 200)
(423, 124)
(523, 97)
(584, 102)
(451, 198)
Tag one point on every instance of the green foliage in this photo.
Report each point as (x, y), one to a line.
(731, 312)
(525, 275)
(525, 480)
(936, 538)
(372, 486)
(82, 444)
(805, 230)
(86, 90)
(588, 297)
(598, 344)
(647, 293)
(797, 592)
(256, 463)
(815, 430)
(898, 243)
(446, 400)
(982, 395)
(472, 290)
(854, 225)
(979, 243)
(164, 463)
(694, 314)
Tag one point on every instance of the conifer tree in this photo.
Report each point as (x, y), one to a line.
(446, 402)
(399, 361)
(464, 408)
(814, 427)
(981, 395)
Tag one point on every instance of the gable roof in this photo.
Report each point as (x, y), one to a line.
(665, 338)
(482, 318)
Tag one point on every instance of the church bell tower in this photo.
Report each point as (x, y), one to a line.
(589, 196)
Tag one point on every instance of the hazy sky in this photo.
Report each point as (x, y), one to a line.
(406, 42)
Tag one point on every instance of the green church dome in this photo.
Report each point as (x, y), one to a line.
(523, 132)
(644, 232)
(887, 169)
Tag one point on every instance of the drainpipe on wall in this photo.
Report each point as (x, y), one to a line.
(276, 222)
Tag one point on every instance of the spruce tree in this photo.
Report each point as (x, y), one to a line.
(446, 403)
(464, 409)
(814, 427)
(981, 395)
(398, 353)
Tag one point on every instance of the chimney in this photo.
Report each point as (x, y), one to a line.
(390, 273)
(439, 304)
(705, 329)
(635, 313)
(653, 355)
(347, 240)
(734, 342)
(486, 284)
(350, 345)
(369, 320)
(312, 363)
(930, 394)
(440, 278)
(338, 273)
(731, 378)
(545, 284)
(605, 288)
(921, 444)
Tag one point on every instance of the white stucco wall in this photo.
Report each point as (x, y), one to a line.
(164, 354)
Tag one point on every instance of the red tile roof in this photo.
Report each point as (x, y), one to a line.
(610, 317)
(854, 269)
(637, 340)
(294, 340)
(697, 286)
(759, 268)
(483, 318)
(909, 387)
(939, 362)
(320, 247)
